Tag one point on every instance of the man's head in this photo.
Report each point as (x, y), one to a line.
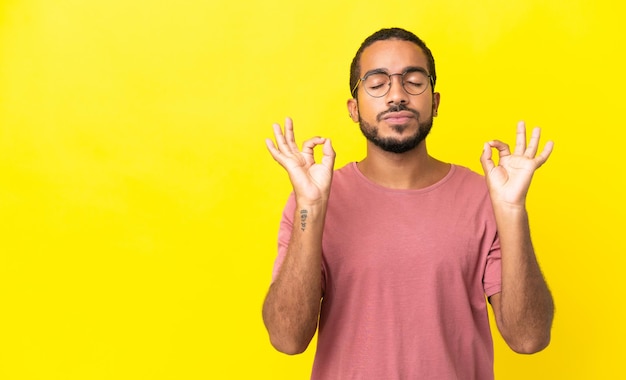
(390, 76)
(389, 34)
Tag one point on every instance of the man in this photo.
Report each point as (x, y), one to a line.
(396, 254)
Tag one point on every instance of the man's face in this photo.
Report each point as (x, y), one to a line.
(396, 122)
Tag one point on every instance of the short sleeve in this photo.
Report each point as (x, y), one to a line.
(492, 280)
(284, 234)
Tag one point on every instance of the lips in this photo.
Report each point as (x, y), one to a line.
(398, 117)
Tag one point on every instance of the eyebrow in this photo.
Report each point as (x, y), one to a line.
(406, 70)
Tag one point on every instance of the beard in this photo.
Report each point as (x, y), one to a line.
(396, 144)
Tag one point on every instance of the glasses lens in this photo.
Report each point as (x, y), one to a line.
(377, 84)
(415, 82)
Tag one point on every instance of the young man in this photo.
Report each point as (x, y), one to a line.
(396, 254)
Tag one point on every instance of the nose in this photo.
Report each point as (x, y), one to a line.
(397, 94)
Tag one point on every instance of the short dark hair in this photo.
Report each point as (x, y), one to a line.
(390, 34)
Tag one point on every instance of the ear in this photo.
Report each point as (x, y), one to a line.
(353, 109)
(436, 101)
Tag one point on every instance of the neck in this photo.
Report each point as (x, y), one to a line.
(414, 169)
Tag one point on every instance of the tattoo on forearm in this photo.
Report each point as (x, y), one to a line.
(303, 215)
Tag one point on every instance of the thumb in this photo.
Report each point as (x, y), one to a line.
(328, 158)
(486, 160)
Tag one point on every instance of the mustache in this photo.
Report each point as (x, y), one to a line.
(397, 108)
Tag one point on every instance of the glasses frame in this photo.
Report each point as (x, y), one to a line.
(402, 74)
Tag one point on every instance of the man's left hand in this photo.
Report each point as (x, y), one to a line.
(509, 180)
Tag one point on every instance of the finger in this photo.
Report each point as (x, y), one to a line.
(310, 144)
(486, 160)
(520, 138)
(328, 158)
(272, 149)
(533, 143)
(545, 154)
(281, 143)
(503, 148)
(290, 136)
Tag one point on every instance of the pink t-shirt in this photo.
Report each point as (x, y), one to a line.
(405, 275)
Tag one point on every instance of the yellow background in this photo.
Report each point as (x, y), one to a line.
(139, 207)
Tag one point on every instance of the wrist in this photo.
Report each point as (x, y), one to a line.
(309, 203)
(508, 213)
(508, 205)
(309, 215)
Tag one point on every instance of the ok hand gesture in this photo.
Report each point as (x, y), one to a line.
(509, 181)
(311, 181)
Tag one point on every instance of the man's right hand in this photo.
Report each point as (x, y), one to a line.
(292, 305)
(310, 180)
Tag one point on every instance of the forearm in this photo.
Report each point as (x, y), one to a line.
(291, 307)
(526, 305)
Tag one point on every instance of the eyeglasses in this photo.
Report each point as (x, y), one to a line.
(378, 83)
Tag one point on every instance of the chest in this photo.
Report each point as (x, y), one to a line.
(409, 240)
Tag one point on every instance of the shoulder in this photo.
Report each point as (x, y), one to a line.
(468, 184)
(467, 176)
(347, 170)
(347, 174)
